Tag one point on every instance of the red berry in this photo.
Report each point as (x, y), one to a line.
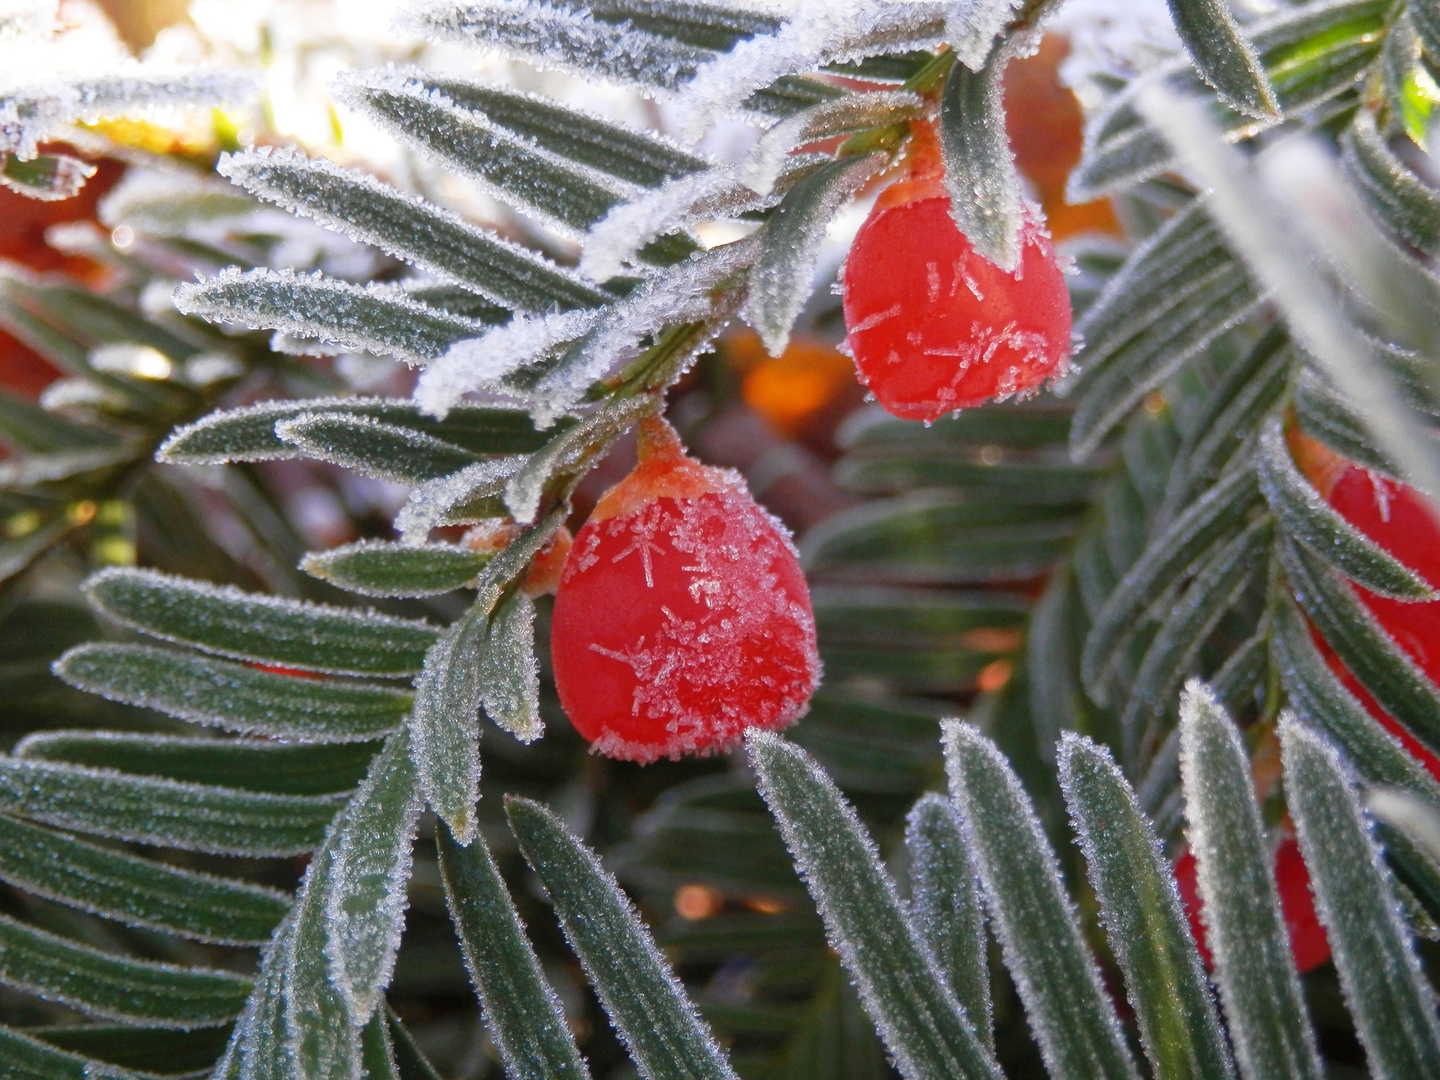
(1308, 943)
(1399, 520)
(682, 616)
(933, 325)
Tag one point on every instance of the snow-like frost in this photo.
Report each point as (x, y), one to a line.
(365, 898)
(479, 362)
(380, 318)
(727, 190)
(509, 673)
(560, 37)
(430, 503)
(276, 174)
(1254, 970)
(614, 239)
(33, 113)
(971, 27)
(445, 724)
(1001, 832)
(782, 278)
(684, 293)
(813, 28)
(519, 190)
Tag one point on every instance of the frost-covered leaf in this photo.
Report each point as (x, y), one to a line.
(659, 1025)
(1400, 198)
(782, 276)
(1144, 921)
(566, 196)
(1277, 239)
(628, 154)
(321, 1037)
(566, 37)
(1243, 926)
(1309, 519)
(473, 494)
(374, 448)
(262, 765)
(382, 319)
(1231, 414)
(1325, 415)
(521, 1010)
(908, 997)
(680, 311)
(365, 897)
(571, 452)
(1074, 1022)
(509, 675)
(972, 25)
(377, 1052)
(1211, 520)
(103, 984)
(980, 177)
(815, 33)
(1219, 582)
(383, 568)
(265, 629)
(945, 908)
(486, 360)
(234, 696)
(32, 113)
(140, 892)
(48, 177)
(1322, 701)
(424, 235)
(1389, 997)
(1400, 686)
(1175, 295)
(1310, 53)
(248, 433)
(146, 810)
(445, 722)
(1223, 57)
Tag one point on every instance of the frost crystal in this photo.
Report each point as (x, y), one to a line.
(971, 27)
(431, 504)
(561, 37)
(686, 293)
(475, 363)
(715, 642)
(813, 28)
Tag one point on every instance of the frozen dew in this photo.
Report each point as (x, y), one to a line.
(972, 25)
(690, 292)
(814, 27)
(479, 362)
(430, 505)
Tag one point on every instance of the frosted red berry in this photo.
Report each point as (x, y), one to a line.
(1396, 517)
(933, 325)
(1308, 943)
(682, 616)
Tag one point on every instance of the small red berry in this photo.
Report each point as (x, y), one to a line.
(1308, 943)
(1397, 518)
(682, 616)
(933, 325)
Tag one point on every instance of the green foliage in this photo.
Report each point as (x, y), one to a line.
(1155, 491)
